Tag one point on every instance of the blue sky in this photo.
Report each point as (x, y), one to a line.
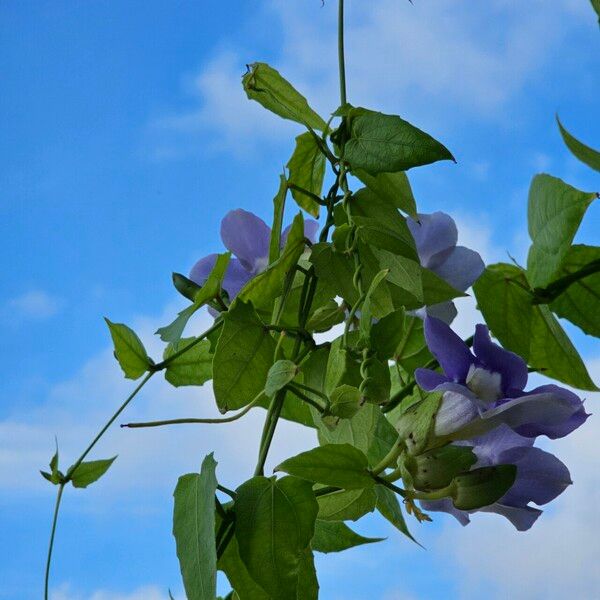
(125, 139)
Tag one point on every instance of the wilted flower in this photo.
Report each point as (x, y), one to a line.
(485, 389)
(435, 237)
(541, 477)
(247, 237)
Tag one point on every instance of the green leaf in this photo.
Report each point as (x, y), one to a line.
(275, 521)
(89, 472)
(55, 476)
(193, 367)
(366, 316)
(596, 7)
(554, 214)
(335, 536)
(389, 507)
(194, 531)
(209, 291)
(482, 487)
(340, 465)
(380, 143)
(268, 285)
(381, 224)
(278, 210)
(280, 374)
(307, 170)
(416, 424)
(387, 334)
(345, 401)
(325, 317)
(265, 85)
(243, 357)
(232, 565)
(584, 153)
(346, 505)
(394, 188)
(336, 268)
(412, 352)
(580, 302)
(129, 350)
(529, 330)
(368, 430)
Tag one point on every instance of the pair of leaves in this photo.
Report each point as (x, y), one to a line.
(84, 474)
(531, 331)
(554, 215)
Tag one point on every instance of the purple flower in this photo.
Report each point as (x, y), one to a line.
(485, 389)
(541, 477)
(435, 237)
(247, 237)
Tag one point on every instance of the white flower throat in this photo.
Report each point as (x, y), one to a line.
(486, 385)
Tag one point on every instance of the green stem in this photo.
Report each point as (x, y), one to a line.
(305, 398)
(165, 363)
(391, 486)
(61, 487)
(269, 430)
(109, 423)
(552, 291)
(341, 60)
(227, 491)
(390, 458)
(230, 419)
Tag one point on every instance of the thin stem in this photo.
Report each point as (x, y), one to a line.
(391, 486)
(165, 363)
(390, 457)
(309, 194)
(227, 491)
(230, 419)
(109, 423)
(268, 431)
(552, 291)
(306, 399)
(311, 390)
(61, 487)
(341, 60)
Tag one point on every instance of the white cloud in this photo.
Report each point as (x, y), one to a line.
(423, 61)
(34, 304)
(65, 592)
(75, 409)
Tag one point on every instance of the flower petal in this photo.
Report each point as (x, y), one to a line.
(446, 506)
(235, 278)
(428, 380)
(537, 411)
(562, 428)
(247, 236)
(456, 411)
(201, 270)
(491, 445)
(541, 477)
(451, 352)
(311, 227)
(461, 268)
(522, 517)
(433, 233)
(511, 366)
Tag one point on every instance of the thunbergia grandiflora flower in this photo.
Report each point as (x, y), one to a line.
(435, 237)
(247, 237)
(485, 407)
